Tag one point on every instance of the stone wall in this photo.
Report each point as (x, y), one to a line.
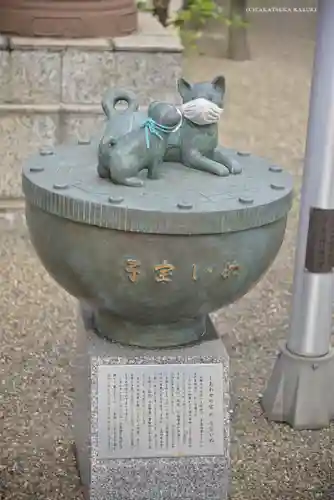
(50, 89)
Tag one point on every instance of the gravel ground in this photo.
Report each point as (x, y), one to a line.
(266, 114)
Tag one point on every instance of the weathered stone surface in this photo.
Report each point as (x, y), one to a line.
(4, 75)
(149, 25)
(164, 94)
(148, 43)
(58, 44)
(177, 477)
(20, 137)
(35, 76)
(80, 126)
(149, 74)
(148, 70)
(86, 75)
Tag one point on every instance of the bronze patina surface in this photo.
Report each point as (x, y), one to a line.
(194, 145)
(150, 227)
(141, 148)
(153, 261)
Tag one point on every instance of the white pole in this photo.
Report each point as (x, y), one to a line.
(310, 328)
(301, 388)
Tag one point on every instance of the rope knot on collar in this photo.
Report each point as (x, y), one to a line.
(154, 128)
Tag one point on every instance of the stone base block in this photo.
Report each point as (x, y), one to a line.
(151, 424)
(50, 71)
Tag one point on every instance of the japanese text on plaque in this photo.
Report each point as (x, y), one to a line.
(160, 410)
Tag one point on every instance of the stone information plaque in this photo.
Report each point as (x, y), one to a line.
(170, 410)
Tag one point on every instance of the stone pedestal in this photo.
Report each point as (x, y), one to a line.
(151, 424)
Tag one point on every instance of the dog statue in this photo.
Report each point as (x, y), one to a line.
(141, 147)
(196, 143)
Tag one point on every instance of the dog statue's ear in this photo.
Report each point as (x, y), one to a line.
(219, 83)
(183, 87)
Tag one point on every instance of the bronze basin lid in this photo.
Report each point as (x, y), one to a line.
(64, 182)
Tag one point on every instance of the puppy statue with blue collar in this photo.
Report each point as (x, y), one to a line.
(141, 148)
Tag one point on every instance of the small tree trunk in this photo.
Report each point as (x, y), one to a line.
(238, 48)
(161, 11)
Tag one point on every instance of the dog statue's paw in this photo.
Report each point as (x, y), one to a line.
(236, 167)
(132, 182)
(221, 170)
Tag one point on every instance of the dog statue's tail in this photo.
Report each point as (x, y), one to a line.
(116, 96)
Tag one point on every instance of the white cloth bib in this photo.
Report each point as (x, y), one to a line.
(201, 111)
